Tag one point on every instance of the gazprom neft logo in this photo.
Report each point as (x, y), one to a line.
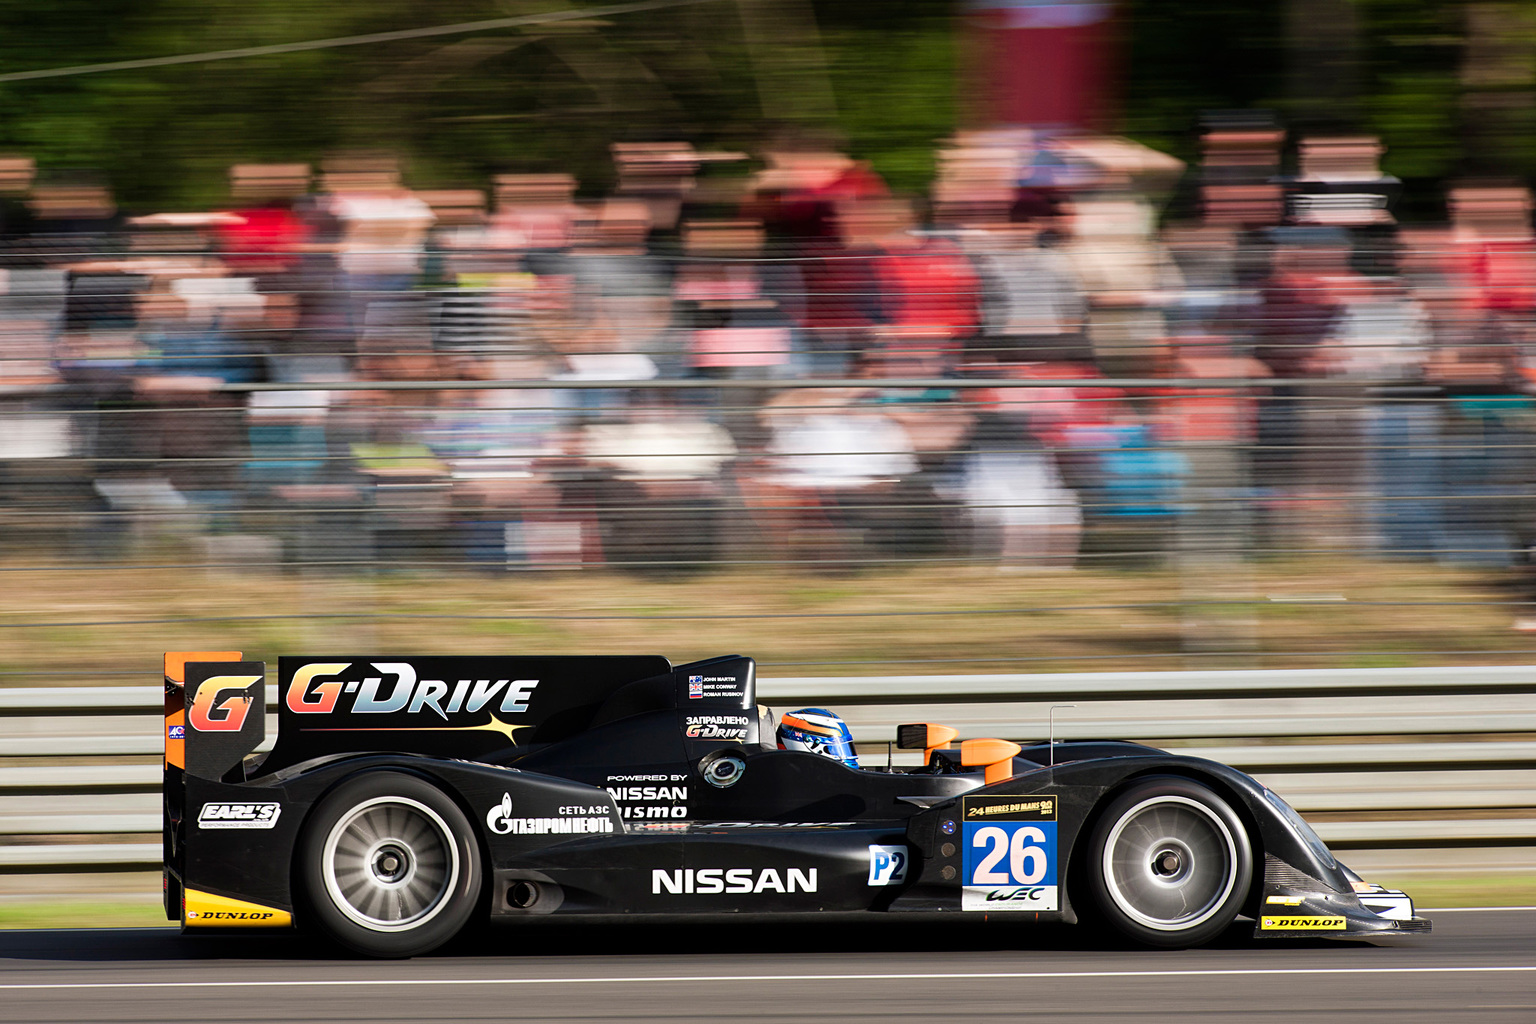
(316, 690)
(711, 881)
(239, 815)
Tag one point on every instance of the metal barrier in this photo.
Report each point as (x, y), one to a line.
(1376, 758)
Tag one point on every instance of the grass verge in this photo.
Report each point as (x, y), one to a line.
(45, 914)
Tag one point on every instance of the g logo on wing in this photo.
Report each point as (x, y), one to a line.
(208, 714)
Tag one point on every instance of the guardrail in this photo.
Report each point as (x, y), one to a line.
(1376, 758)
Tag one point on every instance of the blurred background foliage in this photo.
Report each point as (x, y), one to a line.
(1449, 85)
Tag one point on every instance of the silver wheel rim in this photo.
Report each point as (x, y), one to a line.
(1170, 863)
(390, 864)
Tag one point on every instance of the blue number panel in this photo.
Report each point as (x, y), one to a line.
(1009, 856)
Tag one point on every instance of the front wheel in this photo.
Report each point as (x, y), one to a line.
(389, 865)
(1169, 863)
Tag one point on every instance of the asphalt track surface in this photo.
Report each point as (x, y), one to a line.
(1476, 966)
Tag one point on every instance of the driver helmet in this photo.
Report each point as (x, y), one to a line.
(820, 732)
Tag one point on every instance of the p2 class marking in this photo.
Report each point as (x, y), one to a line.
(739, 978)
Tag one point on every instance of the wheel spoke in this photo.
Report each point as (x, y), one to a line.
(414, 829)
(390, 864)
(1168, 863)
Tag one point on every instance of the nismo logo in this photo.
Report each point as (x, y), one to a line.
(317, 689)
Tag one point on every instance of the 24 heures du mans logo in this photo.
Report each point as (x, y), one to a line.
(390, 687)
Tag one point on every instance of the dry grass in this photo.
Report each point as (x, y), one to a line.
(1345, 613)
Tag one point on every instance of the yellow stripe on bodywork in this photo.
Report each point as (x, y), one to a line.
(206, 910)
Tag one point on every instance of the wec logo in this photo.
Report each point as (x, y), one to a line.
(315, 691)
(1022, 894)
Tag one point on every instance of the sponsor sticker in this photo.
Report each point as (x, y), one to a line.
(1284, 901)
(1008, 861)
(715, 881)
(1305, 923)
(205, 909)
(716, 727)
(238, 815)
(1011, 808)
(388, 687)
(887, 865)
(662, 797)
(220, 703)
(176, 732)
(500, 820)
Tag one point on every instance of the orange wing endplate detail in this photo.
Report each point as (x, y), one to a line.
(175, 703)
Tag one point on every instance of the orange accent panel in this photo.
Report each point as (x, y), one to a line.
(175, 703)
(176, 662)
(996, 755)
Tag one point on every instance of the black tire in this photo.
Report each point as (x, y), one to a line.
(389, 865)
(1169, 863)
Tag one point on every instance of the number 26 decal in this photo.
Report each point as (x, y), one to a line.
(1024, 851)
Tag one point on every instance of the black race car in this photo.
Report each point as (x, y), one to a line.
(404, 797)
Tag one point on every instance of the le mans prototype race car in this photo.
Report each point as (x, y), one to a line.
(404, 797)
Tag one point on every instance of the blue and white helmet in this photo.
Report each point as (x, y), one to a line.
(820, 732)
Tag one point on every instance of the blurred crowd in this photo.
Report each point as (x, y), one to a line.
(1072, 347)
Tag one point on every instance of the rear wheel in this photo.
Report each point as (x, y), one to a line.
(389, 865)
(1169, 863)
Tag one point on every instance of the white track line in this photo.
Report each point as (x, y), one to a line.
(739, 978)
(1465, 910)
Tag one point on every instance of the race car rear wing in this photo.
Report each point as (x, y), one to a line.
(215, 714)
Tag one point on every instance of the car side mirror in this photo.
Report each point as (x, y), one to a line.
(996, 756)
(925, 736)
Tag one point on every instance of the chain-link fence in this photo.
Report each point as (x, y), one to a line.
(970, 399)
